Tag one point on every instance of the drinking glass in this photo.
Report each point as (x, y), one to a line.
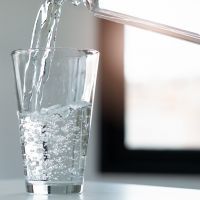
(55, 92)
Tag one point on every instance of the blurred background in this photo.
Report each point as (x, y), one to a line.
(161, 103)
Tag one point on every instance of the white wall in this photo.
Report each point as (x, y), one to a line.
(77, 29)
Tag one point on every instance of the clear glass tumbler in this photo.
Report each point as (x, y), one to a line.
(55, 92)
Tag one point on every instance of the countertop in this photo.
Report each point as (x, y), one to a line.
(15, 190)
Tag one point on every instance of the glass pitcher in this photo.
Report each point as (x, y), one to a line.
(171, 18)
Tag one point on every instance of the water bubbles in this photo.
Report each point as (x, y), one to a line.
(55, 142)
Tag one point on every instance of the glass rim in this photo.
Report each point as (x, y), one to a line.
(85, 51)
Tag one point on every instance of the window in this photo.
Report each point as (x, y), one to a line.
(150, 102)
(162, 98)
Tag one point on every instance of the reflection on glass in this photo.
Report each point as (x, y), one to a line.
(162, 77)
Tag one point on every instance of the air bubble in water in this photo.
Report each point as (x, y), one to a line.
(55, 147)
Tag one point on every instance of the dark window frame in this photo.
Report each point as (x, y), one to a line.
(114, 157)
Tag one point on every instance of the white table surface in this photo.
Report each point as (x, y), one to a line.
(15, 190)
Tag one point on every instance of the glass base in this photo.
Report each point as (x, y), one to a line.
(53, 189)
